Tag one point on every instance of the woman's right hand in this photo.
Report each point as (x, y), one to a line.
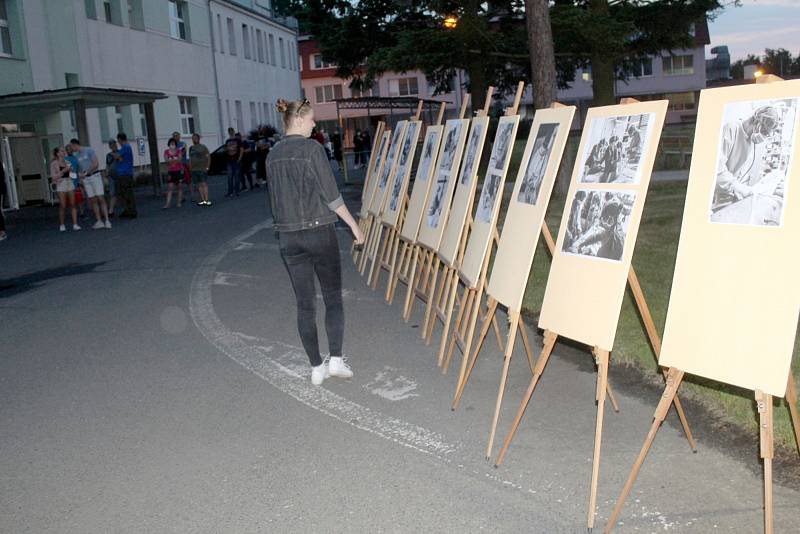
(358, 235)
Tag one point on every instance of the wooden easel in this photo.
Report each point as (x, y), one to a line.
(368, 179)
(469, 310)
(381, 261)
(370, 223)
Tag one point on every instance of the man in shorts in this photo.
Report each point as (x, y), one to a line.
(92, 182)
(199, 162)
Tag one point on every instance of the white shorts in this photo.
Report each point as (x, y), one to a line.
(93, 185)
(65, 185)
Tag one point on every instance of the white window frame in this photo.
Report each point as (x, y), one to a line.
(231, 37)
(317, 63)
(186, 115)
(142, 120)
(272, 55)
(683, 70)
(220, 34)
(4, 26)
(639, 64)
(237, 104)
(119, 118)
(246, 41)
(177, 20)
(135, 14)
(327, 93)
(283, 52)
(399, 82)
(260, 45)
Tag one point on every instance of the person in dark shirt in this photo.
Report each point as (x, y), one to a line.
(234, 153)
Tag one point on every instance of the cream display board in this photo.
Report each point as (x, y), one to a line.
(733, 310)
(388, 168)
(464, 194)
(441, 194)
(422, 183)
(399, 186)
(485, 221)
(528, 204)
(601, 220)
(372, 180)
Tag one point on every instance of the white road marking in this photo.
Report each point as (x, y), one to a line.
(391, 386)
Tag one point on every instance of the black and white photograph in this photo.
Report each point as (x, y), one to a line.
(390, 158)
(598, 223)
(450, 145)
(502, 145)
(537, 163)
(753, 159)
(489, 192)
(473, 145)
(613, 152)
(411, 138)
(428, 154)
(437, 201)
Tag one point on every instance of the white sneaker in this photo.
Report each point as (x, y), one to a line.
(62, 228)
(108, 224)
(76, 227)
(319, 373)
(338, 367)
(98, 225)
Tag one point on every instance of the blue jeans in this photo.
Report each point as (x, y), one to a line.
(234, 172)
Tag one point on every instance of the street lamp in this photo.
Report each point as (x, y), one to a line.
(450, 22)
(758, 73)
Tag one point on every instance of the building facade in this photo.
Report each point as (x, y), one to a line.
(164, 46)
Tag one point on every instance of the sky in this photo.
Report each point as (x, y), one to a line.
(756, 25)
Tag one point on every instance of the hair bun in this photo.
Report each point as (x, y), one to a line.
(281, 105)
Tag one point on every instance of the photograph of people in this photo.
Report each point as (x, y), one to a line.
(437, 201)
(489, 193)
(390, 159)
(502, 142)
(473, 146)
(598, 224)
(399, 177)
(753, 159)
(411, 134)
(613, 152)
(450, 145)
(426, 161)
(537, 163)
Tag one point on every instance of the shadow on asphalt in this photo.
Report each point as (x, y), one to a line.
(27, 282)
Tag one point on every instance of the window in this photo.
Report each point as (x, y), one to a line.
(107, 10)
(177, 20)
(318, 63)
(253, 115)
(283, 52)
(88, 5)
(231, 38)
(586, 74)
(260, 45)
(678, 65)
(403, 87)
(135, 14)
(186, 114)
(5, 31)
(246, 41)
(220, 46)
(228, 111)
(142, 120)
(360, 93)
(272, 49)
(71, 79)
(327, 93)
(640, 68)
(239, 120)
(120, 120)
(681, 101)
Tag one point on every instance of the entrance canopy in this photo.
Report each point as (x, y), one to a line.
(387, 103)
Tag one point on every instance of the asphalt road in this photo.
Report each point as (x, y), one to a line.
(151, 380)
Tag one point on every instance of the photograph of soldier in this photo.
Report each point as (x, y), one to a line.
(598, 223)
(437, 200)
(753, 159)
(390, 159)
(613, 152)
(537, 163)
(450, 145)
(502, 144)
(473, 146)
(491, 186)
(402, 167)
(426, 161)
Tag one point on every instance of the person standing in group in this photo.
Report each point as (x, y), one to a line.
(60, 170)
(199, 163)
(234, 152)
(305, 202)
(248, 157)
(76, 183)
(262, 151)
(174, 159)
(125, 177)
(92, 182)
(358, 146)
(112, 159)
(187, 175)
(365, 147)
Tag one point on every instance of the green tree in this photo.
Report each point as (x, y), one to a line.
(778, 61)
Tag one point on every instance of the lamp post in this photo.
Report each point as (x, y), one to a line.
(450, 22)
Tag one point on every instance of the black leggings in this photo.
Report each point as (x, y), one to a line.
(307, 253)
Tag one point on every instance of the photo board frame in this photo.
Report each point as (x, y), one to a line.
(372, 181)
(733, 310)
(528, 205)
(463, 197)
(396, 194)
(484, 223)
(388, 170)
(437, 206)
(422, 183)
(590, 265)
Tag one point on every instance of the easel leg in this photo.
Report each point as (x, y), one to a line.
(413, 281)
(612, 397)
(549, 342)
(764, 403)
(460, 323)
(397, 268)
(375, 267)
(462, 373)
(674, 379)
(791, 400)
(473, 320)
(431, 292)
(365, 253)
(512, 336)
(527, 344)
(602, 357)
(497, 335)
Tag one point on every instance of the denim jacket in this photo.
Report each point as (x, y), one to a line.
(302, 188)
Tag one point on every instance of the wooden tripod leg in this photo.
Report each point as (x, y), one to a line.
(473, 320)
(427, 327)
(370, 233)
(462, 372)
(466, 301)
(373, 253)
(549, 342)
(674, 379)
(412, 280)
(497, 335)
(397, 268)
(764, 403)
(612, 397)
(377, 260)
(526, 342)
(685, 424)
(791, 400)
(602, 357)
(512, 336)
